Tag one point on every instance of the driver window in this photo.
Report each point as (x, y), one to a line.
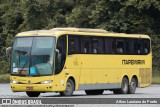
(60, 54)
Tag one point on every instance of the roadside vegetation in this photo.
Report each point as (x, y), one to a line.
(156, 80)
(4, 78)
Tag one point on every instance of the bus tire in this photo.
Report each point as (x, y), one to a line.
(124, 87)
(33, 94)
(132, 86)
(69, 88)
(94, 92)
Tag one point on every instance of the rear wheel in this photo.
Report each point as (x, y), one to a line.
(132, 86)
(124, 87)
(33, 94)
(94, 92)
(69, 88)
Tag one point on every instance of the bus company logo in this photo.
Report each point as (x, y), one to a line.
(76, 62)
(133, 62)
(6, 101)
(29, 81)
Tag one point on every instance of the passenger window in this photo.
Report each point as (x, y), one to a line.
(120, 46)
(97, 45)
(130, 46)
(138, 47)
(109, 45)
(101, 45)
(85, 45)
(113, 46)
(74, 45)
(146, 46)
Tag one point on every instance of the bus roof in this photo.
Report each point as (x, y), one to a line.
(72, 29)
(78, 31)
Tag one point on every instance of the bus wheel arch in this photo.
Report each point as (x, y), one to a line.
(124, 86)
(125, 76)
(70, 87)
(33, 94)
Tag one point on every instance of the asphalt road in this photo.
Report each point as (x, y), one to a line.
(152, 91)
(80, 99)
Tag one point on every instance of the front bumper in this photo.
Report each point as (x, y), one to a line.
(32, 87)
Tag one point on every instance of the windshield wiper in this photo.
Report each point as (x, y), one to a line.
(23, 52)
(23, 67)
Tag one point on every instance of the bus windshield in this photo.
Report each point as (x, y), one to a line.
(33, 56)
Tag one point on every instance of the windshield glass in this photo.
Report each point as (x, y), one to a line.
(33, 56)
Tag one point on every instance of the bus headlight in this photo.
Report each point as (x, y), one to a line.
(14, 82)
(46, 82)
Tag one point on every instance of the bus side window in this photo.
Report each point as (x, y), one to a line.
(94, 45)
(101, 45)
(146, 46)
(86, 45)
(120, 46)
(130, 46)
(108, 46)
(138, 46)
(72, 48)
(98, 45)
(73, 45)
(60, 54)
(113, 46)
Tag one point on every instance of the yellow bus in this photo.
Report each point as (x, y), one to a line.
(67, 59)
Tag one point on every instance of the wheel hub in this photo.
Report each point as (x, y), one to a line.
(69, 87)
(132, 84)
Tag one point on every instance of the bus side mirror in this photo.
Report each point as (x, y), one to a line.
(58, 57)
(57, 51)
(8, 50)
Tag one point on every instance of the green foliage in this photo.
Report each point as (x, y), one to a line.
(5, 78)
(35, 15)
(155, 80)
(79, 17)
(124, 16)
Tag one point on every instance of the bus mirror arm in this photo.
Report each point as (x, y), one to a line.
(58, 55)
(57, 51)
(7, 52)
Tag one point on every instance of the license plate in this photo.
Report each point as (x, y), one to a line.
(29, 88)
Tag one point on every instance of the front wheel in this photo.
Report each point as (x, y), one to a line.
(124, 87)
(69, 88)
(33, 94)
(132, 86)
